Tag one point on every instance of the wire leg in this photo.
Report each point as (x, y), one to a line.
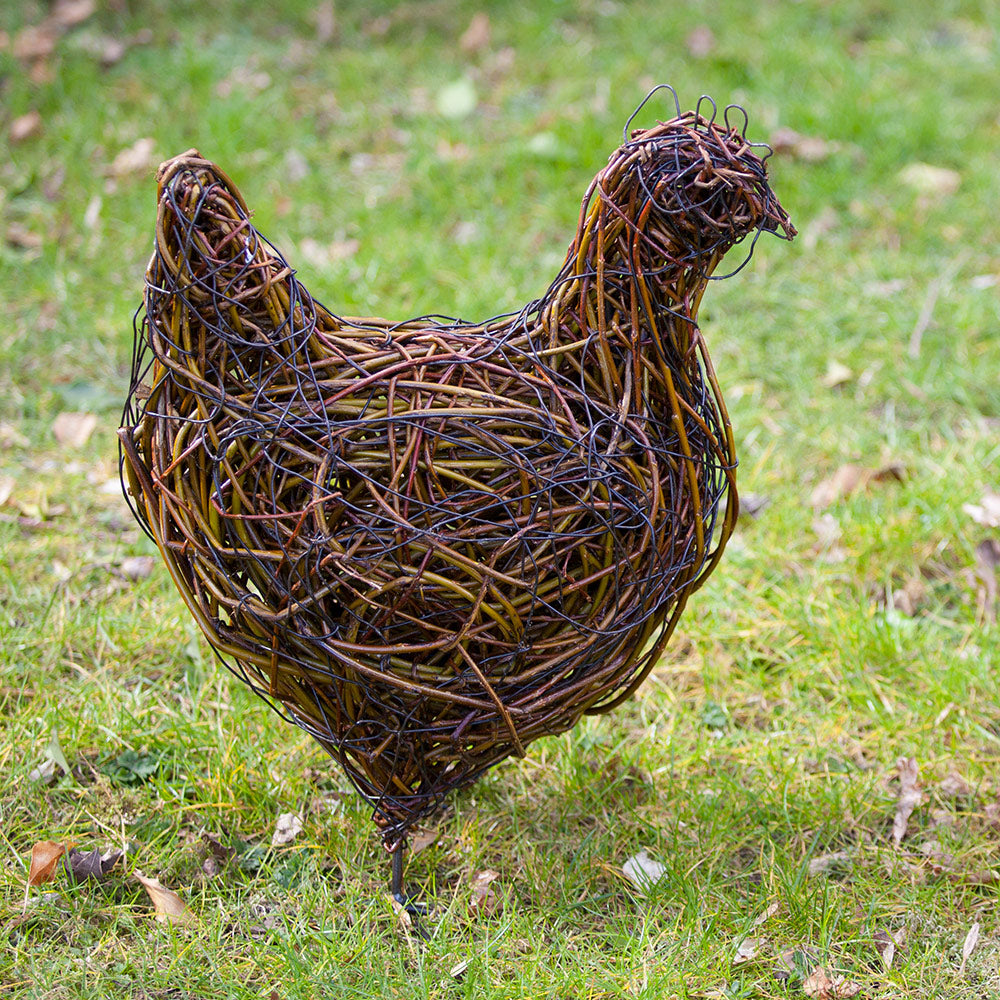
(408, 903)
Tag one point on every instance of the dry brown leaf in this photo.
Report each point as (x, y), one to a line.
(69, 13)
(748, 950)
(168, 906)
(73, 429)
(6, 488)
(987, 597)
(752, 505)
(927, 179)
(953, 786)
(45, 856)
(909, 798)
(25, 127)
(287, 828)
(476, 36)
(987, 511)
(821, 985)
(848, 479)
(21, 237)
(110, 50)
(11, 437)
(700, 41)
(36, 42)
(982, 876)
(908, 598)
(218, 855)
(136, 567)
(938, 860)
(244, 80)
(837, 374)
(484, 899)
(135, 159)
(886, 944)
(971, 939)
(325, 18)
(84, 865)
(811, 149)
(643, 871)
(826, 862)
(421, 839)
(766, 915)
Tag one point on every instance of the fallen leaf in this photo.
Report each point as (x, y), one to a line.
(457, 971)
(54, 758)
(136, 567)
(747, 950)
(836, 374)
(69, 13)
(848, 479)
(45, 856)
(908, 598)
(953, 786)
(971, 939)
(288, 827)
(886, 945)
(36, 42)
(17, 235)
(52, 184)
(938, 859)
(987, 560)
(325, 18)
(821, 985)
(811, 149)
(883, 289)
(218, 855)
(457, 99)
(476, 36)
(982, 876)
(700, 41)
(980, 282)
(421, 839)
(766, 915)
(11, 437)
(6, 488)
(926, 179)
(753, 505)
(45, 772)
(137, 158)
(92, 213)
(827, 862)
(643, 871)
(986, 512)
(324, 254)
(244, 80)
(909, 797)
(111, 51)
(94, 865)
(484, 899)
(25, 126)
(794, 960)
(168, 906)
(73, 429)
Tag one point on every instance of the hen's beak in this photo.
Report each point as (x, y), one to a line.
(777, 222)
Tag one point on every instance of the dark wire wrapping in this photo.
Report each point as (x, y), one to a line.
(429, 543)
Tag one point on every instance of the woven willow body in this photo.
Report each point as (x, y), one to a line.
(429, 543)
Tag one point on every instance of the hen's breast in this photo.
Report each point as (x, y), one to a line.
(449, 504)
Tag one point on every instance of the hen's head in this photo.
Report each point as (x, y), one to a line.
(693, 187)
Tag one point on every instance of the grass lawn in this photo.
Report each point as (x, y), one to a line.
(844, 659)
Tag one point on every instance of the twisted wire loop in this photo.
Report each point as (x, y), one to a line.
(429, 543)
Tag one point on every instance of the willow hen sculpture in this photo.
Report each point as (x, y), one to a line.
(429, 543)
